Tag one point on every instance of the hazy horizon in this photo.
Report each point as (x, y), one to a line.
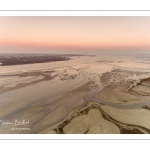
(88, 52)
(84, 35)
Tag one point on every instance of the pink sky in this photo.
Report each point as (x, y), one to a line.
(75, 33)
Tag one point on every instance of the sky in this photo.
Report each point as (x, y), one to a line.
(74, 34)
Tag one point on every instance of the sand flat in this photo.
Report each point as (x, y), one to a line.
(117, 94)
(14, 81)
(53, 102)
(142, 89)
(78, 125)
(136, 116)
(146, 83)
(98, 125)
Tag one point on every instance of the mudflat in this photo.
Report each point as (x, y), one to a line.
(83, 95)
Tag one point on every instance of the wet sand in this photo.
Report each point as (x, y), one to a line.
(76, 97)
(43, 113)
(94, 118)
